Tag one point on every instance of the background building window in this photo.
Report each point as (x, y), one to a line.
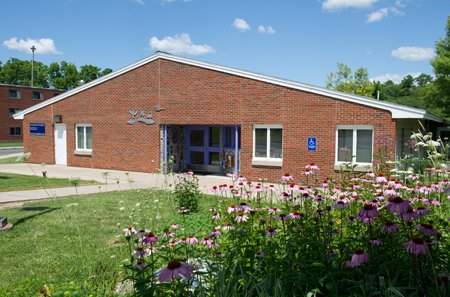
(13, 111)
(268, 142)
(354, 144)
(84, 137)
(15, 131)
(38, 95)
(14, 94)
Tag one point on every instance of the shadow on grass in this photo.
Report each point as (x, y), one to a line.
(5, 177)
(42, 210)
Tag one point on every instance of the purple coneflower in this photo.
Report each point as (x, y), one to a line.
(140, 265)
(381, 178)
(416, 246)
(427, 229)
(282, 217)
(368, 211)
(174, 270)
(307, 172)
(390, 192)
(214, 189)
(232, 208)
(260, 255)
(228, 226)
(410, 214)
(215, 216)
(397, 205)
(375, 241)
(169, 234)
(370, 174)
(422, 210)
(340, 204)
(141, 233)
(271, 232)
(244, 207)
(214, 233)
(389, 227)
(312, 166)
(150, 238)
(139, 253)
(128, 232)
(358, 258)
(273, 210)
(286, 178)
(295, 215)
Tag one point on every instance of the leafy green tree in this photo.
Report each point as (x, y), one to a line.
(441, 67)
(344, 81)
(89, 73)
(18, 72)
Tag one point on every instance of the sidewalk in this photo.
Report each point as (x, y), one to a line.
(116, 180)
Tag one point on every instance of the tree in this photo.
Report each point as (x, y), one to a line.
(441, 67)
(89, 73)
(18, 72)
(343, 80)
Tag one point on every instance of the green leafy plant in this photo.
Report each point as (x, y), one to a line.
(187, 192)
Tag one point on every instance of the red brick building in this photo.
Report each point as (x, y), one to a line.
(17, 98)
(168, 111)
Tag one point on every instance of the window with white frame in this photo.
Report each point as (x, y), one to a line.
(354, 144)
(38, 95)
(14, 94)
(84, 137)
(268, 142)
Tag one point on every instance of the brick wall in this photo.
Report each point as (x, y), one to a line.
(192, 95)
(25, 101)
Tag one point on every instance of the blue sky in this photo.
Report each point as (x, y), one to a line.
(300, 40)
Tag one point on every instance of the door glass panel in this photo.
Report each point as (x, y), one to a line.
(228, 137)
(276, 143)
(214, 158)
(197, 157)
(197, 138)
(364, 146)
(214, 136)
(261, 143)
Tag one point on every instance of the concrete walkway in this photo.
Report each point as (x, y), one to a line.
(116, 180)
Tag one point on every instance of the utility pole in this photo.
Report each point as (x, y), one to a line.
(33, 48)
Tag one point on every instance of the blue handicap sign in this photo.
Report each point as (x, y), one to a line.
(312, 143)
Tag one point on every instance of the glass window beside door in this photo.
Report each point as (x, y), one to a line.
(84, 137)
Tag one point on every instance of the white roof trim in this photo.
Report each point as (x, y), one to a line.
(397, 111)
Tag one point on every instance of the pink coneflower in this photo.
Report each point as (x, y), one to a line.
(370, 174)
(307, 172)
(260, 255)
(141, 233)
(169, 234)
(128, 232)
(416, 246)
(214, 233)
(390, 192)
(273, 210)
(140, 264)
(240, 185)
(214, 189)
(174, 226)
(228, 226)
(232, 208)
(295, 215)
(271, 188)
(206, 240)
(312, 166)
(435, 202)
(292, 187)
(174, 270)
(285, 195)
(191, 239)
(325, 184)
(381, 178)
(241, 178)
(427, 229)
(215, 216)
(389, 227)
(271, 232)
(241, 217)
(358, 258)
(258, 188)
(286, 178)
(150, 238)
(397, 205)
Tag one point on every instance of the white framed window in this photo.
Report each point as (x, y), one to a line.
(268, 145)
(354, 144)
(13, 94)
(38, 95)
(83, 137)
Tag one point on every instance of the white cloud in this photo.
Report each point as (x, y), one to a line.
(140, 2)
(241, 25)
(333, 5)
(180, 44)
(44, 46)
(382, 13)
(267, 30)
(412, 53)
(396, 78)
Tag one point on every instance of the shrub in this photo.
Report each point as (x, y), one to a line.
(187, 192)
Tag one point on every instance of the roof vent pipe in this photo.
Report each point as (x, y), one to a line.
(378, 95)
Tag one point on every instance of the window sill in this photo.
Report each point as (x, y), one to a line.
(358, 167)
(268, 163)
(82, 153)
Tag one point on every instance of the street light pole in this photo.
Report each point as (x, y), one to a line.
(33, 48)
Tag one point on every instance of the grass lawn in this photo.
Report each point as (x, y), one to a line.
(11, 144)
(16, 182)
(71, 241)
(10, 160)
